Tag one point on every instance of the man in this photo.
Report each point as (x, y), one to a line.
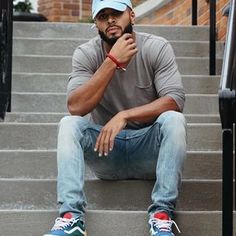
(129, 82)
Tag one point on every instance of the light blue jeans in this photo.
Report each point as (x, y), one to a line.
(155, 152)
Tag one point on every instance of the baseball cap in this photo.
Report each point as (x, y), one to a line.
(119, 5)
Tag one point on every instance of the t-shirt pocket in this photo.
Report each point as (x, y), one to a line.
(145, 93)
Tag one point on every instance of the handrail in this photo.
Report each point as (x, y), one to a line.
(227, 109)
(194, 11)
(212, 36)
(229, 56)
(6, 11)
(212, 51)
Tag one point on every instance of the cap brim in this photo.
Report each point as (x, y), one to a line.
(109, 4)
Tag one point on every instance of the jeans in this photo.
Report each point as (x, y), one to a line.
(154, 152)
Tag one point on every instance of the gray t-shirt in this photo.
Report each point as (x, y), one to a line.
(151, 73)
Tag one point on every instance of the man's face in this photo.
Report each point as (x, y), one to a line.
(113, 24)
(112, 40)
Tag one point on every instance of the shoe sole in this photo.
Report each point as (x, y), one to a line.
(55, 235)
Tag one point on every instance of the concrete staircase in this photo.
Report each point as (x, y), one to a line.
(42, 60)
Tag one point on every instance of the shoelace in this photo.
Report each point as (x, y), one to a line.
(163, 225)
(61, 223)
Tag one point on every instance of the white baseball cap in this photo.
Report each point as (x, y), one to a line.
(119, 5)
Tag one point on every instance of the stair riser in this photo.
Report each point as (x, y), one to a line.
(195, 104)
(195, 118)
(108, 195)
(61, 30)
(21, 164)
(67, 47)
(34, 117)
(38, 64)
(39, 136)
(55, 117)
(57, 83)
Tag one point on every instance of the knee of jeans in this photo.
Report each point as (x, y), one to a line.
(174, 123)
(72, 124)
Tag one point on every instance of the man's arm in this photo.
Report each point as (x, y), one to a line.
(143, 114)
(170, 97)
(149, 112)
(86, 97)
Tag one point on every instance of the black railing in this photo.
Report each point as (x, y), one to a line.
(212, 36)
(227, 108)
(194, 12)
(6, 7)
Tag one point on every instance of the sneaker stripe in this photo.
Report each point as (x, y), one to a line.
(74, 229)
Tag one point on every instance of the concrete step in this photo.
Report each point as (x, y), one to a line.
(116, 223)
(39, 82)
(21, 164)
(201, 104)
(42, 102)
(34, 117)
(201, 137)
(66, 47)
(51, 82)
(202, 118)
(76, 30)
(40, 117)
(201, 84)
(62, 64)
(195, 195)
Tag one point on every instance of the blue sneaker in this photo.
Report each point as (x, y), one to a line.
(67, 226)
(161, 225)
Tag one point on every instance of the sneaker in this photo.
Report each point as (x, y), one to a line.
(160, 225)
(67, 226)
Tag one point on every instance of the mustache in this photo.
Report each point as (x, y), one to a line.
(110, 26)
(112, 41)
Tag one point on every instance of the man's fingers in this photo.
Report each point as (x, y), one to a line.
(126, 36)
(102, 143)
(106, 143)
(111, 143)
(97, 142)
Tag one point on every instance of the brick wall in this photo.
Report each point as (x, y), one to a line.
(68, 10)
(179, 12)
(64, 10)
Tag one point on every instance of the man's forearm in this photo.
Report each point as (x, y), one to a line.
(143, 114)
(86, 97)
(150, 111)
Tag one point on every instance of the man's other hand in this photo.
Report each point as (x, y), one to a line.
(106, 138)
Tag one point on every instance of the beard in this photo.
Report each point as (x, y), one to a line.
(112, 41)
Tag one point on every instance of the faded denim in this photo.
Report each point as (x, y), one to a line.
(155, 152)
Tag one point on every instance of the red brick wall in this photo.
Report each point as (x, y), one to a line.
(64, 10)
(68, 10)
(179, 12)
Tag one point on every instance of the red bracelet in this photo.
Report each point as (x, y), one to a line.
(118, 64)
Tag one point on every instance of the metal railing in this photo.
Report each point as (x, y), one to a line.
(212, 36)
(6, 12)
(227, 108)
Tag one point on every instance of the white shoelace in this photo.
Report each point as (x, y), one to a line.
(61, 223)
(163, 225)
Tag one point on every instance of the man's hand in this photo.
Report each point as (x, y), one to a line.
(105, 140)
(124, 49)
